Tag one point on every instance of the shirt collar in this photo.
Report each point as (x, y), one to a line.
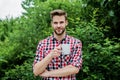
(53, 38)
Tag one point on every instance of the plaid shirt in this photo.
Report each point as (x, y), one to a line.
(75, 58)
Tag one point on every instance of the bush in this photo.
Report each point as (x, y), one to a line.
(23, 72)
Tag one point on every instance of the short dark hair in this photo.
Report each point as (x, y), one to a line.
(58, 12)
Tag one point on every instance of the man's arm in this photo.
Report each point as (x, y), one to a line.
(40, 67)
(66, 71)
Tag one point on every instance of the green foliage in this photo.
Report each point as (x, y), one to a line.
(102, 60)
(108, 15)
(86, 31)
(23, 72)
(19, 38)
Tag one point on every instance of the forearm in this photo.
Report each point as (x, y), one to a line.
(66, 71)
(41, 66)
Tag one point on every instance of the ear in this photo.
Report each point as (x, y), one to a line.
(66, 22)
(51, 23)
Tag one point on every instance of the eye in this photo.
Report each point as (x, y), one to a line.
(61, 22)
(55, 23)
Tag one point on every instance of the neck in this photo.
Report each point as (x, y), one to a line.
(59, 37)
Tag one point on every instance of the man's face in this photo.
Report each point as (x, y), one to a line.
(59, 24)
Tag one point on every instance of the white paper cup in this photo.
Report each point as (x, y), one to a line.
(65, 49)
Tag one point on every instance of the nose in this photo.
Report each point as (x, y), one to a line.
(58, 25)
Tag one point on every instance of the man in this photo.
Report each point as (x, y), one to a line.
(50, 62)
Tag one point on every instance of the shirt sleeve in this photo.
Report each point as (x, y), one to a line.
(76, 59)
(39, 53)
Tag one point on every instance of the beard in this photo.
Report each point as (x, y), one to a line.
(60, 32)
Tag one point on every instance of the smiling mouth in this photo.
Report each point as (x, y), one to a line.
(59, 31)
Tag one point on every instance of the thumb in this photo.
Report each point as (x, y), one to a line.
(59, 47)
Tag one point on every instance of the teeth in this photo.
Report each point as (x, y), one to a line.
(58, 30)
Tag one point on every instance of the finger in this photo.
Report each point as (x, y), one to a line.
(59, 47)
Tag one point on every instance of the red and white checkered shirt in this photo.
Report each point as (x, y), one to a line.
(74, 58)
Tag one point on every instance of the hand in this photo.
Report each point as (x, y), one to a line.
(56, 52)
